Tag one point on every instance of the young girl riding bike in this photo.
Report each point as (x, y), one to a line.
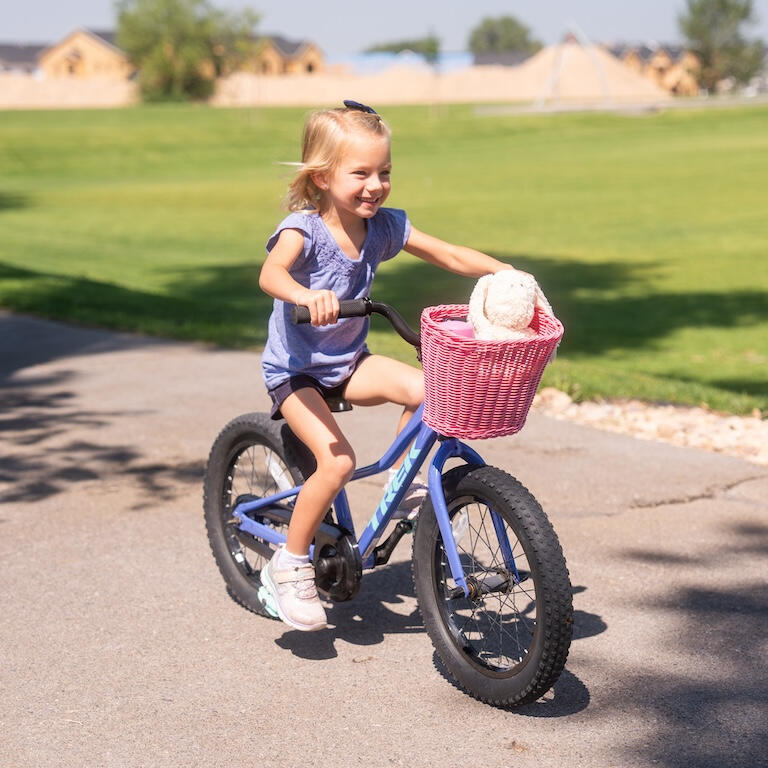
(327, 250)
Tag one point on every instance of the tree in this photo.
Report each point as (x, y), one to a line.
(180, 46)
(428, 47)
(712, 29)
(504, 34)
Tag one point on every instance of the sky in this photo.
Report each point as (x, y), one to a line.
(341, 27)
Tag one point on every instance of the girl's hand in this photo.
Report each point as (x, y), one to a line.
(323, 306)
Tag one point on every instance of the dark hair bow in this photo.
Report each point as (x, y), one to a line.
(349, 104)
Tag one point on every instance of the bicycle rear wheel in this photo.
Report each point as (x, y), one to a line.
(506, 643)
(252, 457)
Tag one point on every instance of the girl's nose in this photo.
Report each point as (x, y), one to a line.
(375, 183)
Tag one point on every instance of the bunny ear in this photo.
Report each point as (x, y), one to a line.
(542, 303)
(476, 314)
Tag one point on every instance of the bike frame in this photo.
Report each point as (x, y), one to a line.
(423, 438)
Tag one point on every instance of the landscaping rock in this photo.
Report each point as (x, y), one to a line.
(697, 427)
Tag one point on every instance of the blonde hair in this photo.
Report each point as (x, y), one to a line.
(325, 135)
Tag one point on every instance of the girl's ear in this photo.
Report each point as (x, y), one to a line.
(320, 180)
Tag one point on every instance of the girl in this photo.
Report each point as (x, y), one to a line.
(328, 249)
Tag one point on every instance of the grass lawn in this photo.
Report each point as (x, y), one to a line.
(648, 234)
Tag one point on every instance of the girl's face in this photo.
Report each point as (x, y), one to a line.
(360, 183)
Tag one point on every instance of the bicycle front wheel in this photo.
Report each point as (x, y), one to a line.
(507, 642)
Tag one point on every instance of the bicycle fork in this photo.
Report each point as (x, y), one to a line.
(453, 448)
(449, 448)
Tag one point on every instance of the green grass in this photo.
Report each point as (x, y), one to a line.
(648, 234)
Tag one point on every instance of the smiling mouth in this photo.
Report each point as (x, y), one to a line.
(369, 200)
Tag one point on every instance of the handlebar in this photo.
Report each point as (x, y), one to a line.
(362, 308)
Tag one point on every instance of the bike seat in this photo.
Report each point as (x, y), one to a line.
(335, 405)
(338, 404)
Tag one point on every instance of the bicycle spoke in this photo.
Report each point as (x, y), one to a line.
(495, 628)
(255, 471)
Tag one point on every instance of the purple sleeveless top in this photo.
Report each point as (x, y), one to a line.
(328, 353)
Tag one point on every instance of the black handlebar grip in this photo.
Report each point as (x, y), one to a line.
(347, 308)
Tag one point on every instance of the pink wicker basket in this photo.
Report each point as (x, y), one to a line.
(480, 389)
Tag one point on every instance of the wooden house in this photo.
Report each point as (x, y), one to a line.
(86, 53)
(278, 56)
(669, 66)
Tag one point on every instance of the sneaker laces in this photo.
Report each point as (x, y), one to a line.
(305, 587)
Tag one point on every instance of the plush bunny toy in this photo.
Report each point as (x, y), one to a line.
(501, 306)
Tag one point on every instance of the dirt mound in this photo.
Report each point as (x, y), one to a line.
(567, 73)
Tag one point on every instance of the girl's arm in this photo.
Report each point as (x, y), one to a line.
(454, 258)
(276, 280)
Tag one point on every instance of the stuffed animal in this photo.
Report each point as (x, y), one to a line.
(501, 306)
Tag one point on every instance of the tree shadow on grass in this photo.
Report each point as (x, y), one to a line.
(605, 306)
(222, 305)
(590, 298)
(10, 201)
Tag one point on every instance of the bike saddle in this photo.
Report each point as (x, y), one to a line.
(338, 404)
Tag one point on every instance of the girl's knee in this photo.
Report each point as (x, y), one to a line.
(415, 390)
(337, 466)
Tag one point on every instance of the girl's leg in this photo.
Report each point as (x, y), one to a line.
(380, 379)
(289, 576)
(308, 416)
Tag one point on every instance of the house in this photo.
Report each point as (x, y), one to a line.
(669, 66)
(86, 53)
(278, 56)
(19, 59)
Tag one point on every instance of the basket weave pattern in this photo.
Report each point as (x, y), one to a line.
(480, 389)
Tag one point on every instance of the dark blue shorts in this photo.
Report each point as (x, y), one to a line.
(304, 381)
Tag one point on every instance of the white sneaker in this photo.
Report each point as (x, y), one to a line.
(295, 595)
(414, 497)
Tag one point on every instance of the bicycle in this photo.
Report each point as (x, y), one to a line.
(490, 577)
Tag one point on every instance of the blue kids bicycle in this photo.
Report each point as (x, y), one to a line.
(489, 573)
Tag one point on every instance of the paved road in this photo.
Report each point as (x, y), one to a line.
(120, 646)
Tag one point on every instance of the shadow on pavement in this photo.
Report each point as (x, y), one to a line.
(37, 461)
(29, 341)
(717, 718)
(365, 620)
(368, 619)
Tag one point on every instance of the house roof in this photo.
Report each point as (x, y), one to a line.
(11, 53)
(645, 52)
(107, 35)
(26, 55)
(289, 48)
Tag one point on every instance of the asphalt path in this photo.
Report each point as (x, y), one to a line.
(120, 646)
